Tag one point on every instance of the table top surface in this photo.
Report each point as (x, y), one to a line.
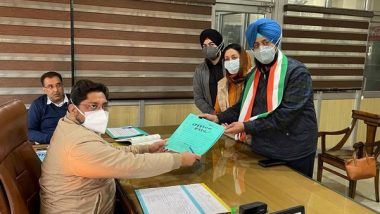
(230, 169)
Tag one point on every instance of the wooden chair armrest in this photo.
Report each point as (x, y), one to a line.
(323, 134)
(339, 132)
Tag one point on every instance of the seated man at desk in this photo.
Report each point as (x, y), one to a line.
(80, 166)
(46, 110)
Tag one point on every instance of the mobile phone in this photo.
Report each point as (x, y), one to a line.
(271, 162)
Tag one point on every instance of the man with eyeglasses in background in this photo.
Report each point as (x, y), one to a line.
(46, 110)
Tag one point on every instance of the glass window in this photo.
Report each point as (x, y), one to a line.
(372, 76)
(347, 4)
(308, 2)
(232, 27)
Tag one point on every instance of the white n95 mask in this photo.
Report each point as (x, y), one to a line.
(95, 120)
(232, 66)
(265, 54)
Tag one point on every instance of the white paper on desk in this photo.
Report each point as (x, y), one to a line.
(205, 199)
(166, 200)
(140, 140)
(193, 198)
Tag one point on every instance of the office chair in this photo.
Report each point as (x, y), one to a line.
(20, 168)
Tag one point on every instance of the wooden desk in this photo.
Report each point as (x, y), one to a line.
(230, 169)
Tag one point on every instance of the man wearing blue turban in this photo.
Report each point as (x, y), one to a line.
(276, 112)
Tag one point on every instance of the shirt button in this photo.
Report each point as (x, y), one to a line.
(287, 134)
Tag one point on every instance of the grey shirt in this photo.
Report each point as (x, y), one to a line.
(201, 88)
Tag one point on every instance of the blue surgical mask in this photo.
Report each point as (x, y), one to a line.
(232, 65)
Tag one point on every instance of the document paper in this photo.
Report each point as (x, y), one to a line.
(195, 135)
(149, 139)
(186, 199)
(125, 132)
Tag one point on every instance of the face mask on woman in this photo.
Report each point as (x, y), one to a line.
(95, 120)
(232, 66)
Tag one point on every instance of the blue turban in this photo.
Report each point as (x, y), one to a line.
(267, 27)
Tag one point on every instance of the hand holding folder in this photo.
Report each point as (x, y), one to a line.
(196, 135)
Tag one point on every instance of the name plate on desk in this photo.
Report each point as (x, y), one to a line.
(185, 199)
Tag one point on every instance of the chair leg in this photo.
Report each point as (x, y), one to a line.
(377, 185)
(351, 189)
(319, 170)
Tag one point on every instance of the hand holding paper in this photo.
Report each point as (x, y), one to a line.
(158, 146)
(196, 133)
(234, 128)
(188, 159)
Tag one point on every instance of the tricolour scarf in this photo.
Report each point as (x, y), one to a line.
(275, 91)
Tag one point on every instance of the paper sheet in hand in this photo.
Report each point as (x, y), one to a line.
(185, 199)
(195, 134)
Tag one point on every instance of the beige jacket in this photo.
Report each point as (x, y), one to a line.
(79, 169)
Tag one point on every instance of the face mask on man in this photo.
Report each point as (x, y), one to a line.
(265, 53)
(95, 120)
(212, 53)
(232, 66)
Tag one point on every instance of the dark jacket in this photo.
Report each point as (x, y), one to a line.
(290, 131)
(43, 118)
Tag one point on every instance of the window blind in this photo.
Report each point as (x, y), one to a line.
(331, 42)
(34, 39)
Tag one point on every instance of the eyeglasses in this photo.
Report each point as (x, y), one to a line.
(51, 87)
(95, 106)
(258, 44)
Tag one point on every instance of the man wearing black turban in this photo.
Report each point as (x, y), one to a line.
(208, 73)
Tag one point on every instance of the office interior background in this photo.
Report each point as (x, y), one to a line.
(146, 51)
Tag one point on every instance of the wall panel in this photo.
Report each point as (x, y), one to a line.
(140, 49)
(331, 42)
(34, 39)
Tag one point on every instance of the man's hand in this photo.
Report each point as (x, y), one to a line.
(210, 117)
(188, 158)
(234, 128)
(158, 146)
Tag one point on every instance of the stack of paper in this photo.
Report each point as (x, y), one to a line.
(125, 132)
(185, 199)
(149, 139)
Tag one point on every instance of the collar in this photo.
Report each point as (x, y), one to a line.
(65, 100)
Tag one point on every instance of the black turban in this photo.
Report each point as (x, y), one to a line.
(213, 35)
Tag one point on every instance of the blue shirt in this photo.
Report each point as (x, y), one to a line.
(43, 118)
